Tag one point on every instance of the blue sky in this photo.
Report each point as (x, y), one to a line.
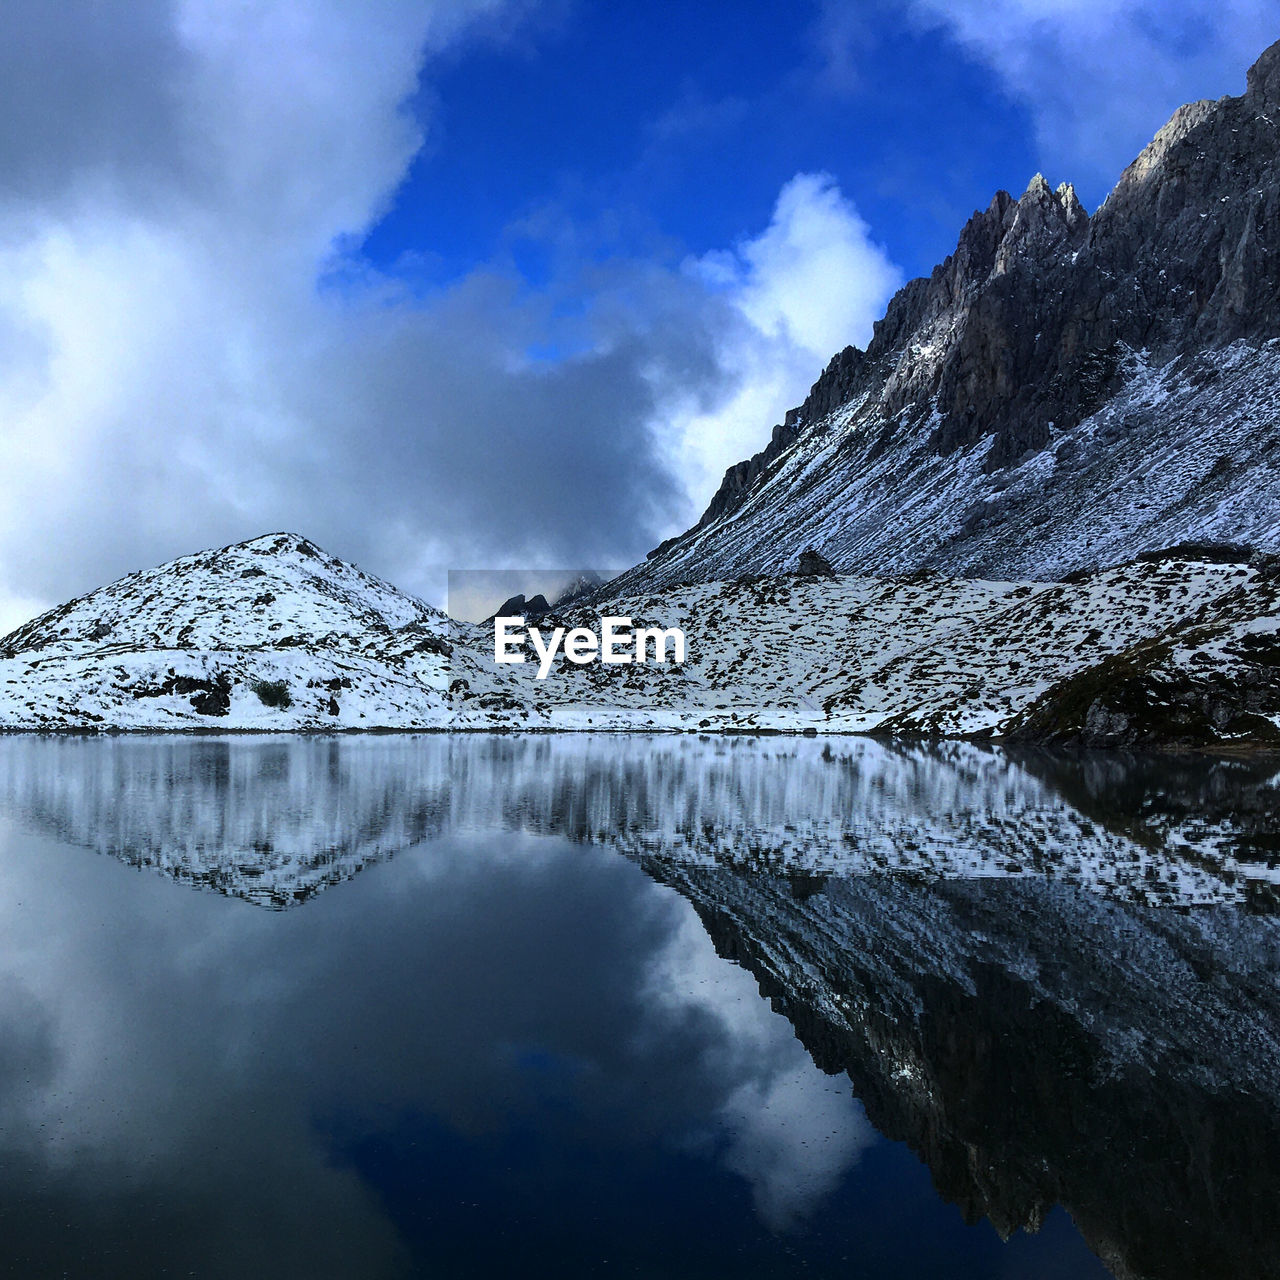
(672, 128)
(491, 284)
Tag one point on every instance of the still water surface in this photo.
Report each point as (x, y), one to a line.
(561, 1006)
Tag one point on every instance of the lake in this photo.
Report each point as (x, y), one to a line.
(469, 1005)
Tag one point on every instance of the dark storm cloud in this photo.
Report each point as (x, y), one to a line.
(89, 98)
(403, 437)
(439, 413)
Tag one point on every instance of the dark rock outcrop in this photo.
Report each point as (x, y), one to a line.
(1145, 700)
(210, 696)
(518, 607)
(740, 477)
(813, 564)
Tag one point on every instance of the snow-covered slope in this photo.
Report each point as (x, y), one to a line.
(1063, 392)
(921, 655)
(276, 634)
(1183, 452)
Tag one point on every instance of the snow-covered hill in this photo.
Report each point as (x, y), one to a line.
(1063, 392)
(271, 633)
(279, 590)
(930, 655)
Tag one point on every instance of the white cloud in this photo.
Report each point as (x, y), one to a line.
(810, 284)
(176, 374)
(813, 276)
(790, 1131)
(794, 1137)
(190, 354)
(1099, 77)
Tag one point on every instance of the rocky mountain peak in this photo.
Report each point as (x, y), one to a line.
(1071, 205)
(1042, 319)
(1263, 80)
(281, 543)
(1038, 190)
(1042, 222)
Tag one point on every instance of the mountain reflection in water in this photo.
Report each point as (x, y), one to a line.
(1053, 977)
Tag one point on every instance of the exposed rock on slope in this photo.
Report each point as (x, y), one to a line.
(1214, 677)
(1063, 391)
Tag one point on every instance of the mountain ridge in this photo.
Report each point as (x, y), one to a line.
(1044, 337)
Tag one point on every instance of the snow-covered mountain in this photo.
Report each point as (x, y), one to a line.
(1057, 456)
(275, 634)
(1063, 392)
(1064, 397)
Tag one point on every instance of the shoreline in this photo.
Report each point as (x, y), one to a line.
(1229, 750)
